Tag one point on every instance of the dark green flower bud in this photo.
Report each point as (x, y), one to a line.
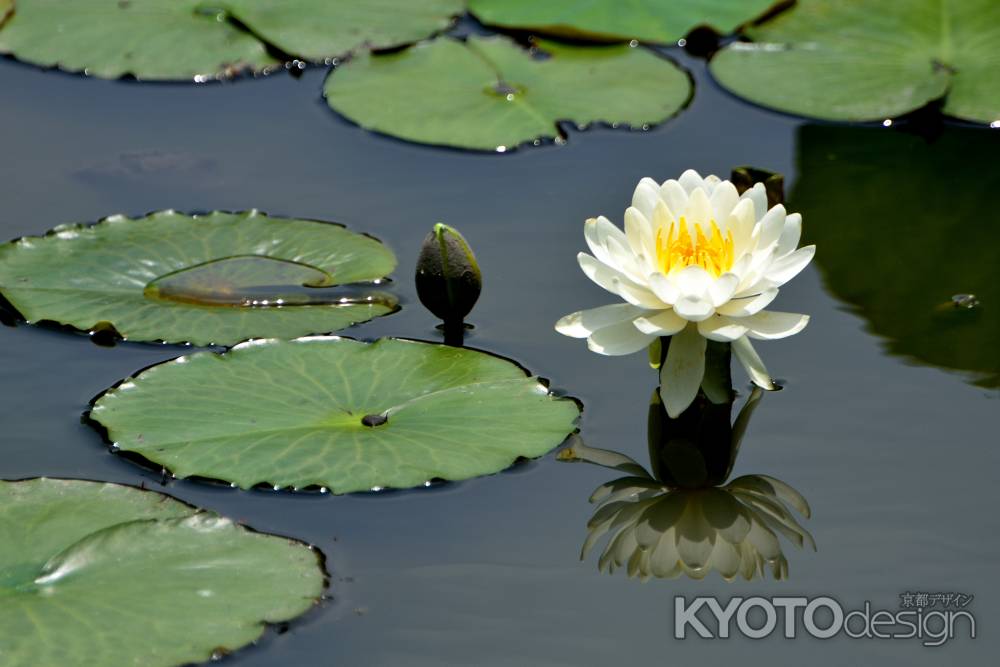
(448, 276)
(774, 183)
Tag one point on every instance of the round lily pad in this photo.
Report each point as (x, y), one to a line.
(335, 413)
(105, 574)
(488, 93)
(217, 278)
(200, 39)
(658, 21)
(900, 261)
(149, 39)
(870, 61)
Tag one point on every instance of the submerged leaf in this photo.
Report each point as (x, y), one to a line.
(335, 413)
(899, 259)
(859, 61)
(487, 93)
(213, 279)
(105, 574)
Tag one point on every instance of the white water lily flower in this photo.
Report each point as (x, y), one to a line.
(696, 261)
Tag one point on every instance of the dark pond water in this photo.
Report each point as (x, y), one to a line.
(898, 458)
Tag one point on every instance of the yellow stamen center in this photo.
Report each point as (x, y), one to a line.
(677, 249)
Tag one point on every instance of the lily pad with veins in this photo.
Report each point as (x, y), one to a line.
(97, 574)
(658, 21)
(214, 279)
(335, 413)
(488, 93)
(859, 61)
(200, 39)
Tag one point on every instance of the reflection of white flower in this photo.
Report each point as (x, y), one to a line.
(696, 261)
(665, 533)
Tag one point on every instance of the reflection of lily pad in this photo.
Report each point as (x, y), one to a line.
(488, 93)
(185, 39)
(103, 574)
(868, 61)
(647, 20)
(904, 225)
(218, 278)
(335, 413)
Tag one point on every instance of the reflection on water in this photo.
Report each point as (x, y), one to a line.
(682, 519)
(909, 229)
(258, 281)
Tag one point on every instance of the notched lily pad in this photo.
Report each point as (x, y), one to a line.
(657, 21)
(335, 413)
(202, 39)
(870, 61)
(105, 574)
(488, 93)
(214, 279)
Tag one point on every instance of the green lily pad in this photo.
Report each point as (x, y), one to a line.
(200, 39)
(319, 29)
(904, 226)
(869, 61)
(214, 279)
(335, 413)
(658, 21)
(104, 574)
(150, 39)
(488, 93)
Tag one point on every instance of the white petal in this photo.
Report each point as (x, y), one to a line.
(618, 339)
(789, 266)
(663, 288)
(646, 194)
(741, 223)
(694, 308)
(617, 283)
(663, 217)
(626, 261)
(721, 328)
(790, 235)
(663, 323)
(771, 325)
(691, 180)
(748, 305)
(722, 288)
(758, 195)
(681, 373)
(582, 323)
(747, 356)
(770, 226)
(640, 234)
(699, 209)
(597, 231)
(711, 182)
(692, 280)
(724, 199)
(674, 196)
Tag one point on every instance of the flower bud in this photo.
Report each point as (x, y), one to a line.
(448, 277)
(774, 183)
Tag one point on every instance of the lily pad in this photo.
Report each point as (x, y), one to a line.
(149, 39)
(488, 93)
(925, 214)
(200, 39)
(335, 413)
(870, 61)
(658, 21)
(104, 574)
(213, 279)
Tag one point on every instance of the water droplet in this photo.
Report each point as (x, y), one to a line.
(323, 489)
(887, 122)
(965, 300)
(377, 488)
(682, 42)
(277, 487)
(427, 483)
(501, 149)
(995, 124)
(633, 43)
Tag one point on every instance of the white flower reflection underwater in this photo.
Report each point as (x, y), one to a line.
(696, 261)
(665, 533)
